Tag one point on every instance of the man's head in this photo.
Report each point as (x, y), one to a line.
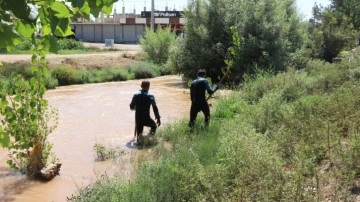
(201, 73)
(145, 85)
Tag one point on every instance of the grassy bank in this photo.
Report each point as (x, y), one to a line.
(287, 137)
(65, 75)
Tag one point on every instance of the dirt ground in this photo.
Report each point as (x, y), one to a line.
(118, 56)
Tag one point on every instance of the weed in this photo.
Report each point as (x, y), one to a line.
(104, 153)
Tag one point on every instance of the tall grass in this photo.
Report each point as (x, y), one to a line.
(65, 75)
(293, 136)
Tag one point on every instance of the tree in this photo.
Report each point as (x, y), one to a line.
(317, 11)
(333, 30)
(207, 37)
(270, 32)
(338, 34)
(350, 8)
(26, 113)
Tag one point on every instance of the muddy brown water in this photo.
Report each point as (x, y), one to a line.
(91, 114)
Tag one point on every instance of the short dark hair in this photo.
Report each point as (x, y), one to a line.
(145, 84)
(201, 72)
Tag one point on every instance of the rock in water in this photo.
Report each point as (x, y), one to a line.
(50, 171)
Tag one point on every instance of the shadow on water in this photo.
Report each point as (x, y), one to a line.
(16, 187)
(14, 184)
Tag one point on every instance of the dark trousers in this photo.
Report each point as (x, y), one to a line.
(195, 109)
(145, 121)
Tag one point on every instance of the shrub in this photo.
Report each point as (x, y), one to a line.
(157, 44)
(143, 70)
(104, 75)
(51, 82)
(66, 75)
(253, 167)
(113, 74)
(70, 44)
(25, 45)
(12, 69)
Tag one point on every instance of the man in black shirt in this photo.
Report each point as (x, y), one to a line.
(198, 99)
(141, 102)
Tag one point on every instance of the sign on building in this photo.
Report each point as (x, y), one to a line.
(162, 14)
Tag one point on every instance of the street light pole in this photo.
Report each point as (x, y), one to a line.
(152, 15)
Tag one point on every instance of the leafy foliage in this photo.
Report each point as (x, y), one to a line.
(206, 40)
(350, 8)
(334, 29)
(271, 36)
(70, 44)
(26, 113)
(157, 44)
(25, 126)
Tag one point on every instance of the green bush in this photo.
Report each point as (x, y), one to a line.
(253, 167)
(25, 45)
(51, 82)
(66, 75)
(113, 74)
(12, 69)
(157, 44)
(104, 75)
(143, 70)
(70, 44)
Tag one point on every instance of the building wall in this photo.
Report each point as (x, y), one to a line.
(87, 32)
(121, 33)
(98, 30)
(122, 30)
(108, 31)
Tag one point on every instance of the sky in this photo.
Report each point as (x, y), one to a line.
(304, 6)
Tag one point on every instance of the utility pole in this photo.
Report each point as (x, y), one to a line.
(152, 15)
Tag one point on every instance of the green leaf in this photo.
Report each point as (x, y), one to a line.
(85, 10)
(10, 162)
(46, 30)
(5, 17)
(98, 2)
(51, 43)
(19, 8)
(62, 11)
(17, 98)
(62, 27)
(9, 38)
(45, 20)
(78, 3)
(25, 29)
(4, 139)
(107, 9)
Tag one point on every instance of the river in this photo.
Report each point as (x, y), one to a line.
(88, 115)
